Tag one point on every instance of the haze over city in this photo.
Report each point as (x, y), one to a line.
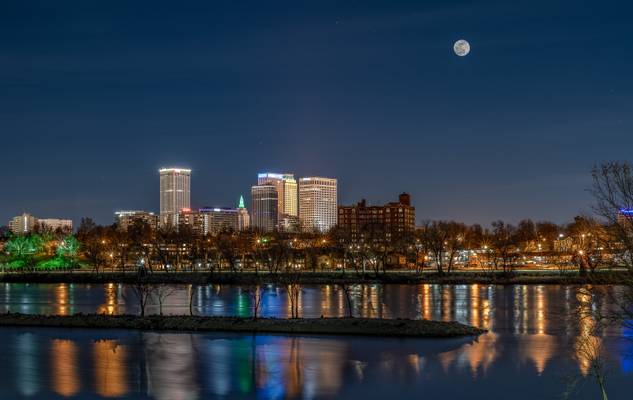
(95, 97)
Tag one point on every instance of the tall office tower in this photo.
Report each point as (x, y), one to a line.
(175, 193)
(243, 219)
(317, 204)
(287, 201)
(265, 201)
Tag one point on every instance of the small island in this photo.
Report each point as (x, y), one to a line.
(180, 323)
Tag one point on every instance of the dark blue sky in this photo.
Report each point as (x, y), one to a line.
(95, 96)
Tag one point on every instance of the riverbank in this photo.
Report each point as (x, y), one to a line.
(329, 326)
(326, 278)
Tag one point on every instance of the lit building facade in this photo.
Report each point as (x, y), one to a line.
(287, 198)
(126, 218)
(317, 204)
(27, 223)
(387, 223)
(175, 193)
(217, 219)
(194, 220)
(625, 216)
(264, 207)
(22, 224)
(55, 225)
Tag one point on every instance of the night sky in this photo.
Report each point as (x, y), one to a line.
(95, 96)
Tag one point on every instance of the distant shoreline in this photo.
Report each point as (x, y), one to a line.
(182, 323)
(325, 278)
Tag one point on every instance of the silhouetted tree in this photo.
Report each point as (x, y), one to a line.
(613, 193)
(444, 240)
(503, 245)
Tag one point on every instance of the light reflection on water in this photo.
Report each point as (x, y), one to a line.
(534, 347)
(121, 364)
(525, 308)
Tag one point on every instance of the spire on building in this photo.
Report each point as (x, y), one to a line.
(241, 205)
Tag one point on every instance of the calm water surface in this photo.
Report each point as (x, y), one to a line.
(532, 349)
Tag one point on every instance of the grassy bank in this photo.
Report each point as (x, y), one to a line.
(333, 326)
(248, 278)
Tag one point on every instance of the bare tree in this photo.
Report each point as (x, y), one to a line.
(93, 243)
(142, 293)
(273, 251)
(293, 288)
(547, 233)
(444, 240)
(613, 192)
(347, 292)
(620, 314)
(255, 293)
(590, 242)
(589, 352)
(163, 291)
(164, 245)
(142, 242)
(341, 245)
(503, 245)
(227, 248)
(588, 346)
(192, 292)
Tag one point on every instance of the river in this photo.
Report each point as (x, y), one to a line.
(533, 348)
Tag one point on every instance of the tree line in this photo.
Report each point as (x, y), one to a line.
(585, 244)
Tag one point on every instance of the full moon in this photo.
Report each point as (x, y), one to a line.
(461, 47)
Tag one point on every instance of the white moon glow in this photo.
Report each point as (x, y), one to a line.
(461, 47)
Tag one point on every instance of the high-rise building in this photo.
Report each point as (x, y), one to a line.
(175, 193)
(317, 204)
(127, 218)
(388, 223)
(264, 207)
(287, 200)
(22, 224)
(243, 219)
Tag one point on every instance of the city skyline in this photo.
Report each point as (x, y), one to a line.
(267, 178)
(357, 199)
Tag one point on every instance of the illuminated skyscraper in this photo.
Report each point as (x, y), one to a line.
(243, 219)
(287, 201)
(265, 200)
(317, 204)
(175, 193)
